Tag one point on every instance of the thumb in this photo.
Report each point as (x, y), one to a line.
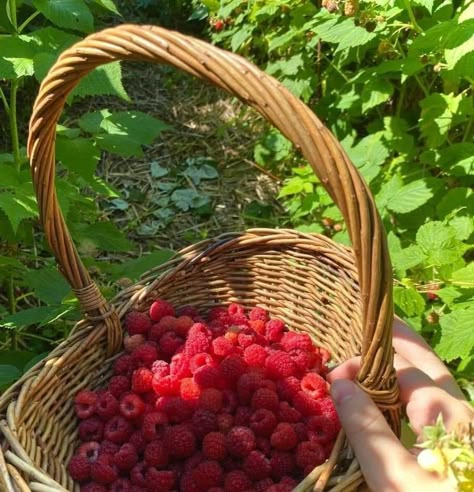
(383, 460)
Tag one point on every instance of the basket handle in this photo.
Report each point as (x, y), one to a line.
(293, 118)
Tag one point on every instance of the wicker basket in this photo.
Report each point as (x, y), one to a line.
(341, 296)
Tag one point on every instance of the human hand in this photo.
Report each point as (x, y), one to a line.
(426, 388)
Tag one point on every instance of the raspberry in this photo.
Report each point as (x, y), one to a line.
(242, 416)
(107, 405)
(314, 385)
(190, 311)
(303, 360)
(93, 487)
(156, 455)
(326, 407)
(235, 308)
(309, 454)
(221, 347)
(216, 313)
(199, 329)
(157, 331)
(123, 365)
(279, 365)
(303, 402)
(230, 402)
(240, 441)
(196, 343)
(263, 485)
(282, 463)
(84, 404)
(79, 468)
(246, 338)
(214, 446)
(265, 398)
(160, 480)
(170, 342)
(126, 457)
(225, 422)
(257, 466)
(183, 323)
(238, 320)
(91, 429)
(258, 326)
(208, 377)
(274, 330)
(179, 366)
(211, 399)
(200, 360)
(161, 308)
(145, 355)
(141, 380)
(288, 387)
(161, 368)
(258, 313)
(176, 409)
(119, 385)
(255, 355)
(216, 489)
(189, 389)
(301, 431)
(263, 444)
(131, 342)
(138, 442)
(323, 353)
(321, 429)
(179, 441)
(287, 413)
(208, 474)
(237, 481)
(103, 470)
(169, 322)
(291, 340)
(166, 386)
(137, 475)
(232, 367)
(187, 483)
(117, 429)
(121, 485)
(108, 447)
(193, 461)
(154, 424)
(131, 406)
(204, 422)
(137, 323)
(217, 328)
(89, 450)
(284, 437)
(262, 422)
(247, 384)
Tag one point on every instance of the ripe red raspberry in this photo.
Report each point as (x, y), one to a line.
(247, 384)
(107, 405)
(93, 487)
(237, 481)
(187, 483)
(258, 326)
(211, 399)
(154, 425)
(222, 347)
(282, 463)
(303, 360)
(321, 429)
(240, 441)
(176, 409)
(189, 389)
(79, 468)
(161, 368)
(291, 340)
(225, 422)
(218, 25)
(190, 311)
(279, 365)
(119, 385)
(232, 367)
(204, 422)
(314, 385)
(287, 413)
(257, 465)
(161, 308)
(242, 416)
(214, 446)
(208, 377)
(138, 441)
(288, 387)
(179, 366)
(137, 323)
(208, 474)
(265, 398)
(123, 365)
(274, 330)
(137, 475)
(84, 404)
(262, 422)
(156, 455)
(121, 485)
(103, 470)
(183, 323)
(89, 450)
(246, 338)
(157, 331)
(263, 485)
(309, 454)
(258, 313)
(303, 402)
(326, 407)
(144, 355)
(263, 445)
(179, 441)
(108, 447)
(200, 329)
(230, 402)
(193, 461)
(131, 342)
(118, 430)
(196, 343)
(168, 322)
(170, 342)
(284, 437)
(166, 386)
(160, 480)
(255, 355)
(126, 457)
(200, 360)
(91, 429)
(141, 380)
(131, 406)
(235, 308)
(216, 489)
(323, 353)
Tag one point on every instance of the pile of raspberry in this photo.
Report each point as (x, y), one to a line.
(236, 403)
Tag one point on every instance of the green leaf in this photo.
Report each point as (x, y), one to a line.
(17, 207)
(241, 36)
(460, 44)
(16, 58)
(409, 197)
(104, 235)
(187, 198)
(458, 159)
(109, 5)
(157, 171)
(9, 263)
(8, 374)
(38, 315)
(346, 34)
(134, 268)
(438, 242)
(71, 14)
(376, 92)
(48, 284)
(196, 174)
(408, 258)
(456, 199)
(464, 277)
(409, 299)
(428, 4)
(457, 335)
(464, 227)
(448, 294)
(79, 155)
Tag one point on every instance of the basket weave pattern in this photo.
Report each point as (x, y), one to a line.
(341, 296)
